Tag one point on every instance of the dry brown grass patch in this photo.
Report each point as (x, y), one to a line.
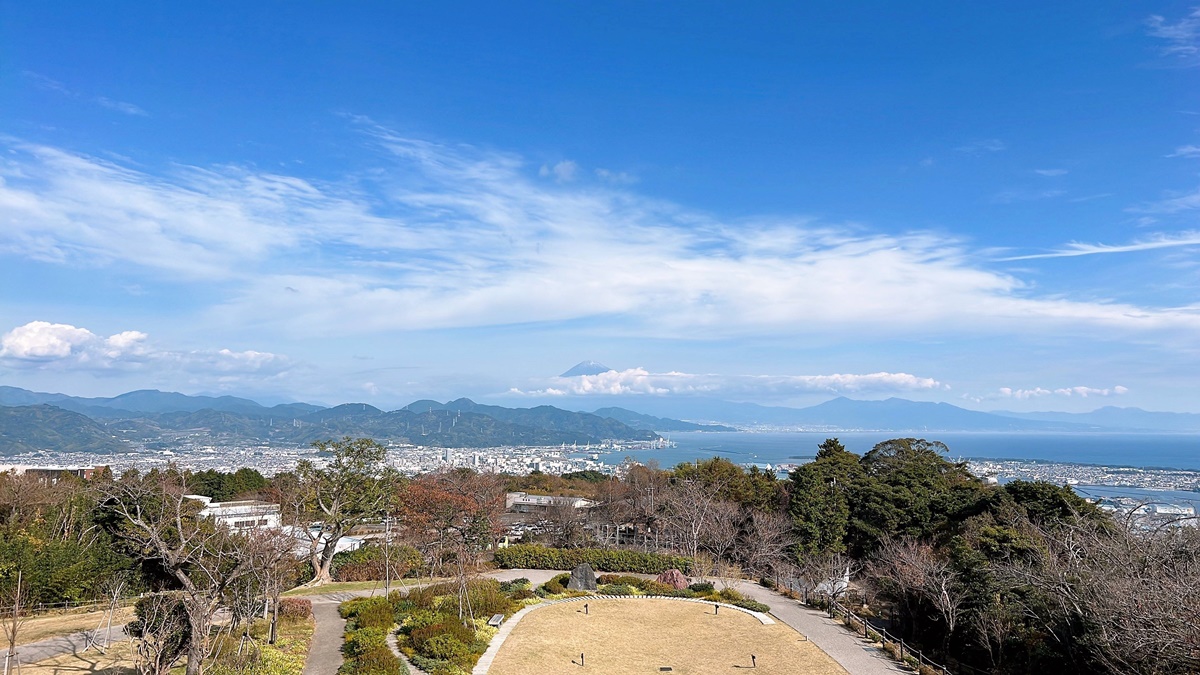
(117, 661)
(53, 625)
(623, 637)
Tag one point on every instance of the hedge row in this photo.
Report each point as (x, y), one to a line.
(366, 651)
(526, 556)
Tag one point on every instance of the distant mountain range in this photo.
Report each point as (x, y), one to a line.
(160, 420)
(31, 421)
(651, 423)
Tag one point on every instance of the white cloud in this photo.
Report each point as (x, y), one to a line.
(122, 106)
(641, 381)
(1182, 37)
(43, 345)
(1075, 249)
(563, 172)
(616, 177)
(1050, 172)
(453, 237)
(1082, 392)
(983, 145)
(1187, 201)
(42, 341)
(1189, 151)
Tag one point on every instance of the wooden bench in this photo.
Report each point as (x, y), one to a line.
(496, 620)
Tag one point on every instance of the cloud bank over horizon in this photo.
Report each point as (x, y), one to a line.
(639, 381)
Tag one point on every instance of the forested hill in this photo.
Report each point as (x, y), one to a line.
(461, 423)
(45, 427)
(639, 421)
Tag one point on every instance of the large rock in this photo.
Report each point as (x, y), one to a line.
(582, 578)
(673, 578)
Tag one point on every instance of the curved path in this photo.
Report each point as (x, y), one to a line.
(856, 655)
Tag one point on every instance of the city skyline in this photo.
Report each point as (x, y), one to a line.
(991, 207)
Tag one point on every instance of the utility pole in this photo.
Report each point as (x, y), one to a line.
(387, 555)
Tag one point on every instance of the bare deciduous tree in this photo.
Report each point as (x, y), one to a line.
(764, 546)
(13, 606)
(1136, 590)
(202, 558)
(914, 573)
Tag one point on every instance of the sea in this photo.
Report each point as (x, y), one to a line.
(1175, 451)
(1138, 450)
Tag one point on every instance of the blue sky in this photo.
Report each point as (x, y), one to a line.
(993, 206)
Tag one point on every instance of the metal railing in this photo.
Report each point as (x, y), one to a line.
(892, 644)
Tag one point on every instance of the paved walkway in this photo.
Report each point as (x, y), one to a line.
(857, 655)
(63, 645)
(325, 650)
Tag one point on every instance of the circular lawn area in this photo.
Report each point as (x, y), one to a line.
(623, 637)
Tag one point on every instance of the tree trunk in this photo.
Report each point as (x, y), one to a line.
(200, 619)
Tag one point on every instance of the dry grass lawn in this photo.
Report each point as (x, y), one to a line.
(117, 661)
(53, 625)
(623, 637)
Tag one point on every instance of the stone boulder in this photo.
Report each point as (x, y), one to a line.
(674, 579)
(582, 579)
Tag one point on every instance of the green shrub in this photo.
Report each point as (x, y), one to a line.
(368, 563)
(362, 640)
(636, 582)
(616, 589)
(552, 587)
(163, 615)
(370, 613)
(752, 605)
(486, 598)
(431, 666)
(527, 556)
(446, 647)
(418, 638)
(515, 584)
(702, 587)
(375, 661)
(731, 596)
(652, 587)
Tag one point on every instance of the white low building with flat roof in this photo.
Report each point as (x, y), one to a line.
(246, 514)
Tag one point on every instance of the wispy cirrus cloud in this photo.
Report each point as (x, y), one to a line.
(637, 381)
(981, 146)
(1051, 173)
(1181, 36)
(452, 236)
(40, 345)
(1025, 195)
(1081, 392)
(103, 101)
(1075, 249)
(1188, 151)
(1179, 202)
